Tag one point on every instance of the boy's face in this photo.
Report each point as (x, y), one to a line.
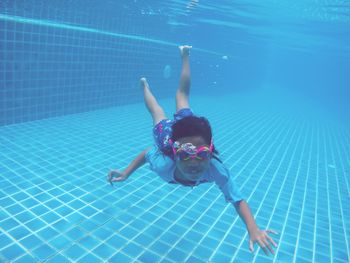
(193, 168)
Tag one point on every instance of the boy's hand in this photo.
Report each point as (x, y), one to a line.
(262, 238)
(116, 176)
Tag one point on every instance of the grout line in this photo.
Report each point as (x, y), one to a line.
(325, 141)
(317, 195)
(310, 138)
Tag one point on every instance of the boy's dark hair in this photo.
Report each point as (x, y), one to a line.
(193, 126)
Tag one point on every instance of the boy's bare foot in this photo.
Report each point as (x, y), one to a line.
(185, 50)
(144, 83)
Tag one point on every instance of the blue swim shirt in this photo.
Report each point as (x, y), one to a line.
(217, 172)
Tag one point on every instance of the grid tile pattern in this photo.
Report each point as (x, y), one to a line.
(67, 57)
(57, 60)
(56, 205)
(50, 69)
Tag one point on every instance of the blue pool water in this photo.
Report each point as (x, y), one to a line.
(272, 80)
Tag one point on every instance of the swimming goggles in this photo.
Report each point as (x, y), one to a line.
(187, 151)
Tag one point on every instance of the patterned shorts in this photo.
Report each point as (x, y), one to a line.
(162, 131)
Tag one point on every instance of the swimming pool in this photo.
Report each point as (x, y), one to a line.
(71, 109)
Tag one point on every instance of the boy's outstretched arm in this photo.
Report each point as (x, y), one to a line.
(255, 234)
(118, 176)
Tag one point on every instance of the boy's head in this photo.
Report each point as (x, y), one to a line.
(192, 147)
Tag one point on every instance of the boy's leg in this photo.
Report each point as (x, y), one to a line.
(151, 103)
(183, 92)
